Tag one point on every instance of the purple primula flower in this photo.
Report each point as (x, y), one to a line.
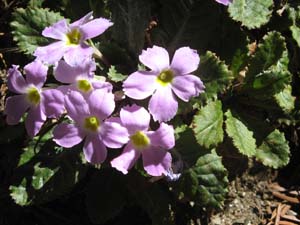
(224, 2)
(164, 81)
(71, 44)
(81, 77)
(152, 145)
(89, 114)
(41, 103)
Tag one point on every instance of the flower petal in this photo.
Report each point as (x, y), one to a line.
(76, 55)
(163, 105)
(53, 103)
(94, 27)
(187, 86)
(15, 107)
(126, 160)
(155, 58)
(94, 150)
(67, 135)
(224, 2)
(66, 73)
(51, 53)
(113, 134)
(76, 106)
(35, 120)
(185, 60)
(15, 81)
(102, 85)
(101, 103)
(82, 20)
(163, 136)
(140, 84)
(135, 118)
(156, 161)
(57, 31)
(36, 73)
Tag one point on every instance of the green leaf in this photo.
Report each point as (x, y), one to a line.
(268, 53)
(207, 125)
(212, 178)
(105, 196)
(205, 183)
(19, 194)
(251, 13)
(114, 75)
(294, 15)
(41, 176)
(285, 99)
(28, 24)
(242, 138)
(215, 75)
(268, 72)
(274, 151)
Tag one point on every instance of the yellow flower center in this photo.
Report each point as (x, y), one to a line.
(84, 85)
(33, 96)
(91, 123)
(73, 37)
(165, 77)
(140, 140)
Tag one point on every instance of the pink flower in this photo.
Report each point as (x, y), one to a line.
(224, 2)
(91, 125)
(71, 44)
(165, 80)
(41, 103)
(151, 145)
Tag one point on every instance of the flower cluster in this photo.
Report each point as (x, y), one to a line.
(89, 103)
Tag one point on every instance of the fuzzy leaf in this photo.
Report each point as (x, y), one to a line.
(114, 75)
(285, 99)
(274, 151)
(294, 15)
(41, 176)
(212, 178)
(205, 183)
(28, 24)
(251, 13)
(242, 138)
(207, 125)
(215, 75)
(19, 194)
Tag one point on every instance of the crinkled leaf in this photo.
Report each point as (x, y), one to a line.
(251, 13)
(294, 15)
(207, 125)
(205, 183)
(28, 24)
(215, 75)
(241, 136)
(268, 72)
(268, 53)
(274, 151)
(41, 176)
(285, 99)
(19, 194)
(114, 75)
(212, 178)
